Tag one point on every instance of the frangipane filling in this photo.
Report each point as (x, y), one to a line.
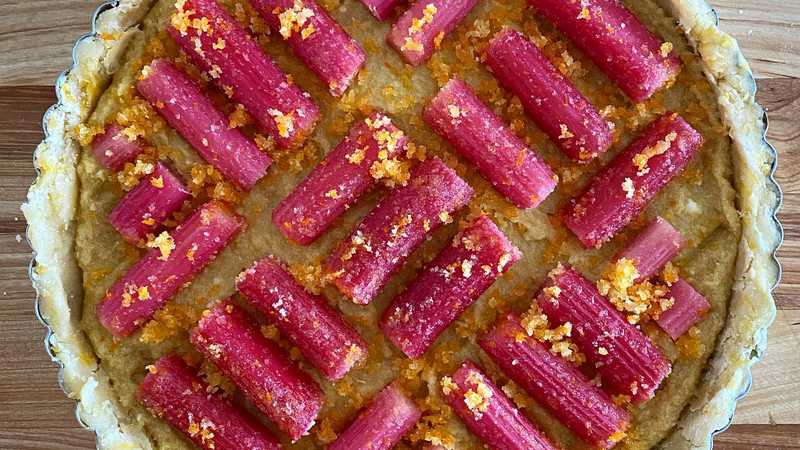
(521, 234)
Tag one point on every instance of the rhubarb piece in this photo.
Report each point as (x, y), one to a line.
(628, 363)
(185, 106)
(381, 9)
(362, 264)
(143, 210)
(611, 36)
(452, 282)
(690, 306)
(488, 413)
(566, 116)
(480, 136)
(653, 248)
(420, 30)
(173, 392)
(233, 60)
(321, 43)
(555, 384)
(381, 425)
(113, 149)
(339, 180)
(623, 188)
(307, 320)
(174, 261)
(284, 393)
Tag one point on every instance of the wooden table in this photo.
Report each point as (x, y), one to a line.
(35, 39)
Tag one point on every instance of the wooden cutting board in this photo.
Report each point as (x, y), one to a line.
(35, 41)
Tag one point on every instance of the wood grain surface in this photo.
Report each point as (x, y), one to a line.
(35, 41)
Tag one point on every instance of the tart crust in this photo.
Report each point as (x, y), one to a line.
(52, 205)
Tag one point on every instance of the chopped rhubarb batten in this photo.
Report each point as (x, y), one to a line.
(320, 42)
(234, 61)
(688, 309)
(633, 57)
(173, 392)
(488, 413)
(380, 425)
(452, 282)
(185, 106)
(481, 137)
(551, 100)
(555, 384)
(628, 362)
(283, 392)
(143, 210)
(381, 9)
(420, 30)
(623, 188)
(653, 248)
(362, 264)
(113, 149)
(307, 320)
(339, 180)
(176, 258)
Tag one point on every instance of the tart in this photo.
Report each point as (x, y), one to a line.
(448, 224)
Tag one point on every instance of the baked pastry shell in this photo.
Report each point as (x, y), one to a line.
(51, 208)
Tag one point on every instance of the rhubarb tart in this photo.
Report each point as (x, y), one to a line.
(372, 224)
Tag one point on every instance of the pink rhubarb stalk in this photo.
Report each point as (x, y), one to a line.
(234, 61)
(551, 100)
(178, 256)
(185, 106)
(653, 248)
(113, 149)
(382, 424)
(488, 413)
(283, 392)
(307, 320)
(339, 180)
(555, 384)
(480, 136)
(313, 35)
(623, 188)
(633, 57)
(173, 392)
(381, 9)
(690, 306)
(402, 220)
(628, 362)
(650, 251)
(420, 30)
(452, 282)
(143, 210)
